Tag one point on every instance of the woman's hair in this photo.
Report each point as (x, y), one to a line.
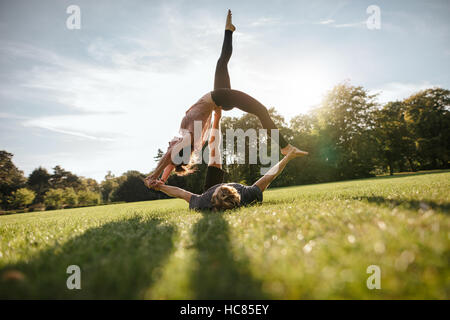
(183, 169)
(225, 197)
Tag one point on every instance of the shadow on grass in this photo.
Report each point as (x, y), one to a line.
(218, 275)
(118, 260)
(408, 203)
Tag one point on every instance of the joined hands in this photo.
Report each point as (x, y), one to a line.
(153, 183)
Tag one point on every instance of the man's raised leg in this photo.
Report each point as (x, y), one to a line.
(275, 171)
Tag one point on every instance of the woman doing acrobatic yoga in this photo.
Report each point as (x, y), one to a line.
(223, 97)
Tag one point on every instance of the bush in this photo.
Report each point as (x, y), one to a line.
(88, 198)
(21, 198)
(70, 198)
(54, 199)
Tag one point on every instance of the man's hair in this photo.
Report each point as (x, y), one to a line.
(225, 197)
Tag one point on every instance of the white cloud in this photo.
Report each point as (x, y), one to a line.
(328, 21)
(351, 25)
(56, 124)
(332, 23)
(265, 21)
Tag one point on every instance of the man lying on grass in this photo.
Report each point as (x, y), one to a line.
(219, 195)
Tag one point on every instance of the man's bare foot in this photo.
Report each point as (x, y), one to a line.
(293, 150)
(229, 25)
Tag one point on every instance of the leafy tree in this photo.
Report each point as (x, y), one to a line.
(11, 178)
(88, 198)
(54, 199)
(427, 117)
(107, 187)
(394, 143)
(70, 198)
(311, 169)
(346, 123)
(39, 182)
(90, 184)
(21, 198)
(65, 179)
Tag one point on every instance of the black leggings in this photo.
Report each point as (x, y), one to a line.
(214, 176)
(227, 98)
(221, 77)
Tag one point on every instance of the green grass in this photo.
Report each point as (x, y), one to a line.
(303, 242)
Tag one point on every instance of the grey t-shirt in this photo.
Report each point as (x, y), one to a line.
(248, 195)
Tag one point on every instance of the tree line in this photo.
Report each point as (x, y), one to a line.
(348, 136)
(61, 189)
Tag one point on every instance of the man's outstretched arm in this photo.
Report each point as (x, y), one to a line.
(173, 191)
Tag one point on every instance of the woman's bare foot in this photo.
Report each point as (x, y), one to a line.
(295, 151)
(229, 25)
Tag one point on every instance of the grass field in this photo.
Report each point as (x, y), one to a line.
(303, 242)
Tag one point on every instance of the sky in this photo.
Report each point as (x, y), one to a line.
(106, 96)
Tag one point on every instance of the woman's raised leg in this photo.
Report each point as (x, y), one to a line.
(222, 77)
